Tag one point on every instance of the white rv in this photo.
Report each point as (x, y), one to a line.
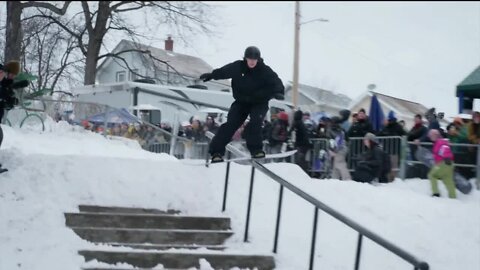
(179, 103)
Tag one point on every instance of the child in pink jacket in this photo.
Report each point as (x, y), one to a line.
(443, 168)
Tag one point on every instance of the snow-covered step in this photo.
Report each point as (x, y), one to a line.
(180, 260)
(152, 236)
(124, 210)
(166, 247)
(146, 221)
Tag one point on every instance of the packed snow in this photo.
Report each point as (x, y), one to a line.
(52, 172)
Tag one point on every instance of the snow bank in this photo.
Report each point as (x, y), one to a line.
(63, 139)
(55, 171)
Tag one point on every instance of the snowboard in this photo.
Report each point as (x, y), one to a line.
(426, 157)
(269, 156)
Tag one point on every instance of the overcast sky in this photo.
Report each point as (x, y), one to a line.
(418, 51)
(414, 50)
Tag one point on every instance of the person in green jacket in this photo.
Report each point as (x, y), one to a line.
(458, 133)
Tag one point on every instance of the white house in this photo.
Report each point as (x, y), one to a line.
(404, 109)
(164, 66)
(315, 99)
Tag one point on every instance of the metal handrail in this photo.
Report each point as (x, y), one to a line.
(418, 264)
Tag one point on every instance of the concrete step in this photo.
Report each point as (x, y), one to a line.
(146, 221)
(124, 210)
(165, 247)
(180, 260)
(152, 236)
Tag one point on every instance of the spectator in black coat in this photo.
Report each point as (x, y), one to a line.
(370, 164)
(211, 125)
(302, 140)
(391, 129)
(361, 127)
(417, 132)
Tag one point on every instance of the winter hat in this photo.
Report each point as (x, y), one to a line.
(12, 67)
(336, 120)
(458, 120)
(391, 116)
(283, 116)
(344, 115)
(297, 116)
(308, 122)
(252, 52)
(371, 137)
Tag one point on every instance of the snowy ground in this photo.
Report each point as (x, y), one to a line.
(53, 172)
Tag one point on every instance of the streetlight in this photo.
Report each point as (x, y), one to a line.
(297, 51)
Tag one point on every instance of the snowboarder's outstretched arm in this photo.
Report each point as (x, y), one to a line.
(225, 72)
(275, 84)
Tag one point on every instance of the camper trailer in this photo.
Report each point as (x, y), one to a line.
(175, 103)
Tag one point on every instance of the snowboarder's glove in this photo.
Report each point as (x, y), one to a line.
(279, 96)
(206, 77)
(448, 161)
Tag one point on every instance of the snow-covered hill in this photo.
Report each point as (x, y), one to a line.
(55, 171)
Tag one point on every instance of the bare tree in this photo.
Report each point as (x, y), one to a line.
(13, 24)
(107, 17)
(48, 53)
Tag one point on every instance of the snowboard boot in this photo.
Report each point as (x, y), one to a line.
(258, 154)
(435, 195)
(216, 158)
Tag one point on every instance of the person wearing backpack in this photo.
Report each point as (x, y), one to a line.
(279, 133)
(443, 168)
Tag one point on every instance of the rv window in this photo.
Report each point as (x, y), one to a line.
(120, 76)
(132, 75)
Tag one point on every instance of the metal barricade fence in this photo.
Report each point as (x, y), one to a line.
(321, 161)
(466, 156)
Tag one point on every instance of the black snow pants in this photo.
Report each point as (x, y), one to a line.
(237, 115)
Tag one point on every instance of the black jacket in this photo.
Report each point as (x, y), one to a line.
(372, 160)
(301, 133)
(417, 132)
(256, 85)
(392, 129)
(360, 128)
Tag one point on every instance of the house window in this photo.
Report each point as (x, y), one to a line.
(132, 75)
(121, 76)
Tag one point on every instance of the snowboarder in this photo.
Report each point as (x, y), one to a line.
(253, 85)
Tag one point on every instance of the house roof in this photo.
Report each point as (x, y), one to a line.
(470, 86)
(186, 65)
(400, 106)
(321, 96)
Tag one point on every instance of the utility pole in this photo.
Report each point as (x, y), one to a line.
(295, 55)
(296, 51)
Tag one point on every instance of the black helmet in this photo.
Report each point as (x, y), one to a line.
(336, 120)
(252, 52)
